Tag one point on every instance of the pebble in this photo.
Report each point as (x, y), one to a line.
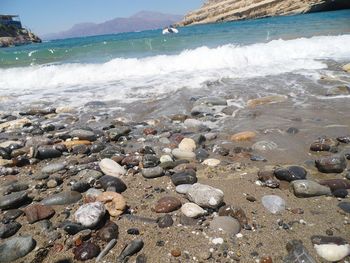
(131, 249)
(16, 247)
(166, 158)
(345, 206)
(9, 229)
(217, 241)
(307, 188)
(13, 200)
(331, 248)
(111, 182)
(192, 210)
(167, 204)
(292, 130)
(165, 221)
(11, 215)
(205, 195)
(336, 184)
(332, 164)
(187, 144)
(51, 183)
(226, 224)
(297, 253)
(273, 203)
(265, 259)
(152, 172)
(115, 133)
(63, 198)
(111, 168)
(53, 168)
(290, 173)
(80, 186)
(72, 228)
(181, 154)
(89, 215)
(83, 135)
(133, 231)
(175, 252)
(264, 146)
(86, 251)
(109, 231)
(201, 154)
(266, 100)
(211, 162)
(187, 177)
(182, 188)
(235, 212)
(243, 136)
(340, 193)
(47, 153)
(344, 139)
(37, 212)
(113, 202)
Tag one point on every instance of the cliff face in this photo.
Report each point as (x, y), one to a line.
(228, 10)
(12, 36)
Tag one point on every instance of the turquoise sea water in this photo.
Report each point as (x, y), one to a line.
(138, 65)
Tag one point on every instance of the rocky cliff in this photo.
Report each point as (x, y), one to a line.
(228, 10)
(12, 36)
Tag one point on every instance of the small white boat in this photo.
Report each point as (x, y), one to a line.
(170, 30)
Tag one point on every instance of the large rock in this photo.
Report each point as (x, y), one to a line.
(228, 10)
(89, 215)
(307, 188)
(205, 195)
(15, 248)
(226, 224)
(332, 164)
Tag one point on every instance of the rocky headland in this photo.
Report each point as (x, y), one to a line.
(12, 36)
(229, 10)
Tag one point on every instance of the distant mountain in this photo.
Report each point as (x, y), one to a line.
(144, 20)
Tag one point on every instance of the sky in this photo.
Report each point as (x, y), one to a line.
(51, 16)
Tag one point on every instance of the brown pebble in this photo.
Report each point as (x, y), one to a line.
(175, 252)
(266, 259)
(167, 204)
(149, 131)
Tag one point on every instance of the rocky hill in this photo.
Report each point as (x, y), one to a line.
(228, 10)
(12, 36)
(143, 20)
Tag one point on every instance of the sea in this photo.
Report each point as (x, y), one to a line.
(140, 75)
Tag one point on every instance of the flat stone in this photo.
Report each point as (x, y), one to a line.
(165, 221)
(37, 212)
(11, 215)
(273, 203)
(166, 158)
(167, 204)
(13, 200)
(16, 247)
(150, 160)
(205, 195)
(83, 135)
(110, 182)
(111, 168)
(15, 124)
(89, 215)
(243, 136)
(80, 186)
(86, 251)
(264, 146)
(182, 188)
(115, 133)
(266, 100)
(9, 229)
(307, 188)
(152, 172)
(186, 177)
(63, 198)
(290, 173)
(235, 212)
(114, 202)
(53, 168)
(108, 232)
(47, 153)
(192, 210)
(225, 224)
(71, 144)
(332, 164)
(345, 206)
(201, 154)
(297, 253)
(340, 193)
(181, 154)
(211, 162)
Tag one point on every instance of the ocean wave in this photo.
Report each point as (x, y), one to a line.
(190, 68)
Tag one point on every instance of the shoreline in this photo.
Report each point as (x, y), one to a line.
(76, 142)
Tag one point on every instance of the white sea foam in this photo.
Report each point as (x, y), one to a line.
(165, 73)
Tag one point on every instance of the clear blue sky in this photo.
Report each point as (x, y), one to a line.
(50, 16)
